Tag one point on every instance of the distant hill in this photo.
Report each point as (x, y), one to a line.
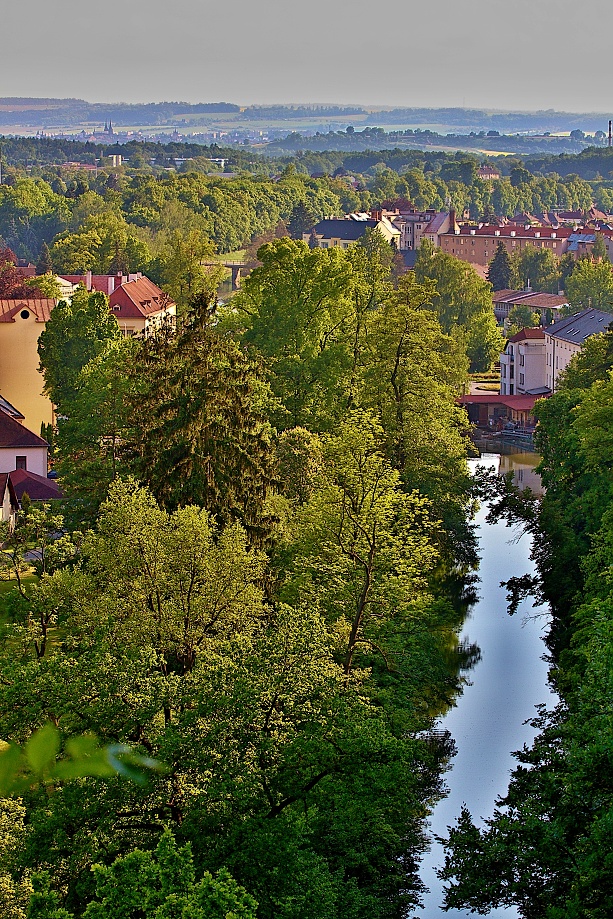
(70, 112)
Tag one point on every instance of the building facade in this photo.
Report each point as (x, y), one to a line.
(477, 244)
(523, 364)
(565, 338)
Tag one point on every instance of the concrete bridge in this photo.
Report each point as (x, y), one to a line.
(235, 268)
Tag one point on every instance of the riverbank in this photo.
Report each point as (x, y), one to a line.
(502, 690)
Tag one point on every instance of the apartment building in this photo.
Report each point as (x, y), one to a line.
(523, 364)
(565, 338)
(477, 244)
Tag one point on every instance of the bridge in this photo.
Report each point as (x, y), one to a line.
(235, 268)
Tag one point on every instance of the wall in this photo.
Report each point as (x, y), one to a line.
(20, 381)
(36, 459)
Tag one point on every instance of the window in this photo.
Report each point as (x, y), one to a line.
(521, 379)
(522, 360)
(21, 462)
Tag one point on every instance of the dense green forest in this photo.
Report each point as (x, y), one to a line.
(136, 216)
(259, 585)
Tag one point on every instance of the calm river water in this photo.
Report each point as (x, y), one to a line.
(488, 722)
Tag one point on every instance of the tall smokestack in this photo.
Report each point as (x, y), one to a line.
(610, 124)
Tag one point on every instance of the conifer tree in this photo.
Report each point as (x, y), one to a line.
(44, 264)
(500, 270)
(197, 437)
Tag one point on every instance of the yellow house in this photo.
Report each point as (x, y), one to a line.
(21, 322)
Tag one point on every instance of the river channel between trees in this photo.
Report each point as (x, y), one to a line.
(489, 720)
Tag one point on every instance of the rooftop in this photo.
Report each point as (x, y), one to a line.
(579, 326)
(40, 308)
(13, 434)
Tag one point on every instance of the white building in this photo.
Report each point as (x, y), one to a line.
(565, 338)
(523, 369)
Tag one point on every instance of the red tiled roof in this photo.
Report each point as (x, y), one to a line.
(531, 297)
(516, 232)
(502, 296)
(41, 308)
(524, 334)
(37, 486)
(138, 299)
(519, 403)
(14, 434)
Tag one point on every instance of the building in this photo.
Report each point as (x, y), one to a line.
(343, 232)
(477, 244)
(495, 412)
(139, 305)
(549, 306)
(9, 503)
(21, 383)
(136, 302)
(37, 487)
(565, 338)
(488, 173)
(523, 364)
(21, 448)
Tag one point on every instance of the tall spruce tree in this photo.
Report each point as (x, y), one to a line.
(197, 436)
(44, 264)
(500, 269)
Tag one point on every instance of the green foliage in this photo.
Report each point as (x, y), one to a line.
(46, 285)
(521, 317)
(156, 885)
(44, 265)
(462, 304)
(96, 244)
(37, 761)
(537, 269)
(76, 332)
(591, 286)
(500, 269)
(92, 429)
(296, 306)
(196, 434)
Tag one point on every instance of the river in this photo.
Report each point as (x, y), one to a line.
(488, 721)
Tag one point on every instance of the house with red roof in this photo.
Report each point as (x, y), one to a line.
(139, 305)
(21, 448)
(136, 302)
(495, 411)
(549, 306)
(37, 487)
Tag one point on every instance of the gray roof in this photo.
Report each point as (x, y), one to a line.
(349, 230)
(580, 326)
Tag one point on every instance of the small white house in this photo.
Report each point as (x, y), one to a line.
(21, 448)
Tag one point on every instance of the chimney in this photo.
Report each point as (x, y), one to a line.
(88, 280)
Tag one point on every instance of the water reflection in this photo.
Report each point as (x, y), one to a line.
(487, 722)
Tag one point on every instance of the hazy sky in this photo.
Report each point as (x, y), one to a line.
(488, 53)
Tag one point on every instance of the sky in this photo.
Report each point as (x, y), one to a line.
(495, 54)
